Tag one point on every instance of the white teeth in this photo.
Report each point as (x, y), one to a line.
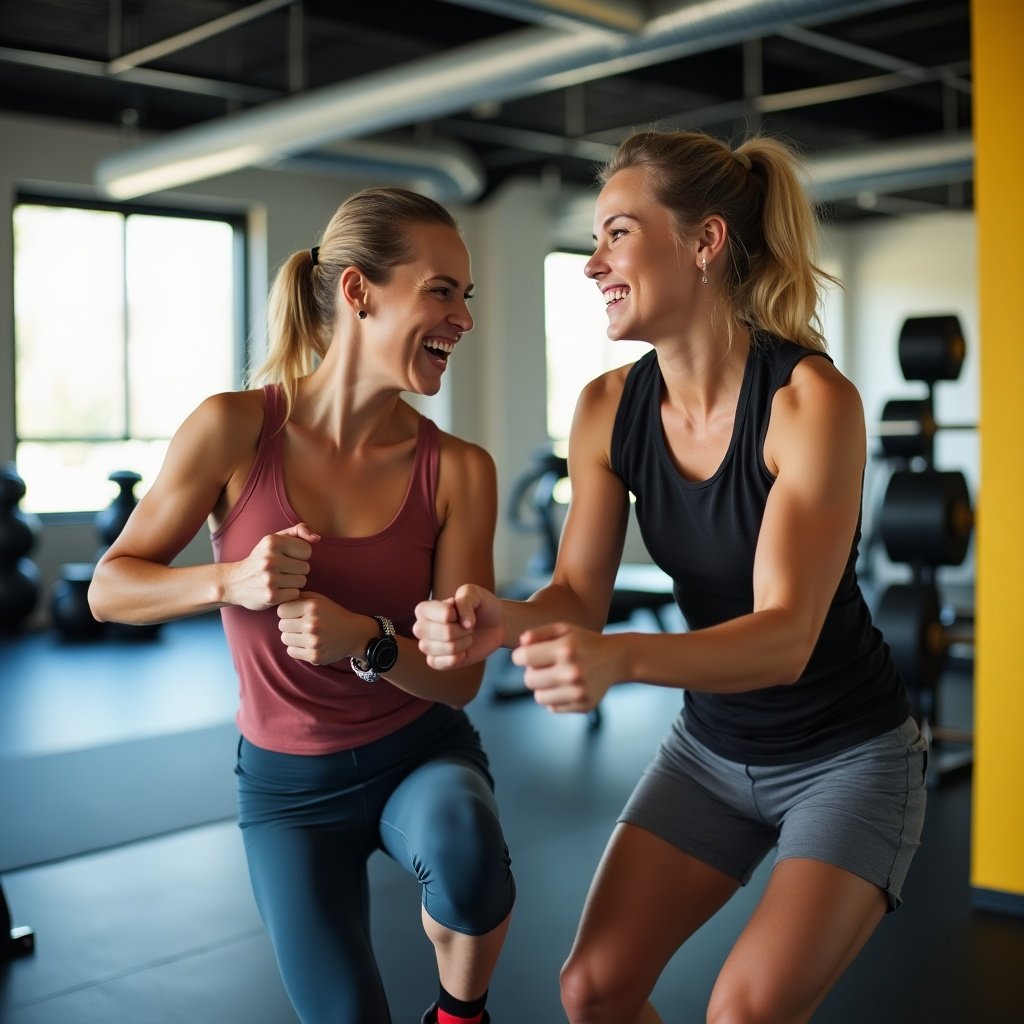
(439, 345)
(614, 294)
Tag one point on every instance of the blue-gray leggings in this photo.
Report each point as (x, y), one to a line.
(424, 796)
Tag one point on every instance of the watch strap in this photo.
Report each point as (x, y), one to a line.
(387, 627)
(363, 668)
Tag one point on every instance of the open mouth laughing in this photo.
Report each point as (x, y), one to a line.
(439, 348)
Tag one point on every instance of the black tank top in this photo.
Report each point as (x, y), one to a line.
(704, 535)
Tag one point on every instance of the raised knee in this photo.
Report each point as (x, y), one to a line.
(467, 831)
(467, 878)
(465, 813)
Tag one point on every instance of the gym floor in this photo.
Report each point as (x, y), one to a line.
(120, 851)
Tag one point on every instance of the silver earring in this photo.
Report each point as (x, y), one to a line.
(703, 270)
(361, 314)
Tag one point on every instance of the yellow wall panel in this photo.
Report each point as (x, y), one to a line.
(997, 841)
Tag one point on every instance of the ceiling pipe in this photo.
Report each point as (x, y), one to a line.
(438, 168)
(517, 64)
(844, 175)
(614, 16)
(893, 167)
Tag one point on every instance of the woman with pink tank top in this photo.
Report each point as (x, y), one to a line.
(335, 508)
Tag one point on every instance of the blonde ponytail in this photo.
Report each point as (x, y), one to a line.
(782, 292)
(295, 327)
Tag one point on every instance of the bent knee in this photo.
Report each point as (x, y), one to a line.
(598, 993)
(744, 1005)
(467, 881)
(465, 831)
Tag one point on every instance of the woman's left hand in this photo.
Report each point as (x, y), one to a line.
(567, 668)
(315, 629)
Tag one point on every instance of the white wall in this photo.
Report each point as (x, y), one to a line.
(899, 268)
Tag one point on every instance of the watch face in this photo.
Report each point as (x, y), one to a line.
(382, 653)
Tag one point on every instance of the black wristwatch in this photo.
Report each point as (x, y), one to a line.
(381, 653)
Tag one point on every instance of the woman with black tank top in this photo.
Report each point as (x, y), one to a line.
(745, 450)
(335, 508)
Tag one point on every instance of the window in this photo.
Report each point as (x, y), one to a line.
(578, 348)
(125, 318)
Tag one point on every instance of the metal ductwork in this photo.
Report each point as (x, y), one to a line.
(438, 168)
(521, 63)
(845, 175)
(896, 166)
(614, 15)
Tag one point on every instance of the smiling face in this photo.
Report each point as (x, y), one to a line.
(423, 305)
(645, 272)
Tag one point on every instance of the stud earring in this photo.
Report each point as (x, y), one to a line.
(361, 314)
(703, 270)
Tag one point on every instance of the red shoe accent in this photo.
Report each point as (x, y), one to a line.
(446, 1018)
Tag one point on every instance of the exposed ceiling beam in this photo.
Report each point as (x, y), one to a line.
(794, 99)
(866, 55)
(525, 62)
(192, 36)
(140, 76)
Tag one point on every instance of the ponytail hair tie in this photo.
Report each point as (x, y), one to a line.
(314, 255)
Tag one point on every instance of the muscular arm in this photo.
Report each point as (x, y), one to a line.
(816, 447)
(464, 554)
(594, 532)
(208, 457)
(468, 627)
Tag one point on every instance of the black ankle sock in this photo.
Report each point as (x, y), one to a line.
(457, 1007)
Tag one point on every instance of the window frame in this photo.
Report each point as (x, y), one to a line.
(237, 220)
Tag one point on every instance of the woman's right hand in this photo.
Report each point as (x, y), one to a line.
(275, 570)
(460, 630)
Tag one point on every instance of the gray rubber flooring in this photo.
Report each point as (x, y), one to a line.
(135, 928)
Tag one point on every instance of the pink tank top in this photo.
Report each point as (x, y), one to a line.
(294, 707)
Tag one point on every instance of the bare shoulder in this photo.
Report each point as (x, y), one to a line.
(229, 421)
(595, 415)
(605, 390)
(217, 443)
(818, 408)
(242, 410)
(464, 459)
(817, 387)
(467, 487)
(467, 477)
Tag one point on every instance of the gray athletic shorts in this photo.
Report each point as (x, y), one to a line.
(861, 809)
